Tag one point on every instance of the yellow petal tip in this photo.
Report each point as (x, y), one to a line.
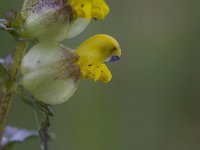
(97, 9)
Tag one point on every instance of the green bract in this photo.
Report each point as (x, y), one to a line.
(50, 73)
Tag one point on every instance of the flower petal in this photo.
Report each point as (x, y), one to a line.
(97, 9)
(92, 55)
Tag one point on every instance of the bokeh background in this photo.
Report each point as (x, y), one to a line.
(153, 101)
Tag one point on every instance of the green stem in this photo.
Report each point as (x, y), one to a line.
(19, 53)
(9, 90)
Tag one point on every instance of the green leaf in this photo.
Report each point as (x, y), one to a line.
(43, 114)
(14, 135)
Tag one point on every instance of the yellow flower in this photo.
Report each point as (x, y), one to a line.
(97, 9)
(56, 20)
(93, 54)
(51, 71)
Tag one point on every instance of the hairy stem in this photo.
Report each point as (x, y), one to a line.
(5, 104)
(10, 86)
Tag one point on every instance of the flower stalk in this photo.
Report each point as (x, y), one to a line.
(9, 87)
(19, 53)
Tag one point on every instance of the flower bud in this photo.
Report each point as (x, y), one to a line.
(51, 20)
(49, 72)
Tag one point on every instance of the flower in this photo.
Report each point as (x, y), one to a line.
(51, 71)
(55, 20)
(93, 53)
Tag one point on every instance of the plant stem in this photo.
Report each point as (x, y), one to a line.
(19, 53)
(9, 90)
(5, 104)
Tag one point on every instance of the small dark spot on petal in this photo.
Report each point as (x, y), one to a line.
(114, 49)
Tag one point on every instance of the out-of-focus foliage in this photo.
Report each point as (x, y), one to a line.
(153, 100)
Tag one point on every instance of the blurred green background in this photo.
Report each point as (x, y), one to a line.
(153, 101)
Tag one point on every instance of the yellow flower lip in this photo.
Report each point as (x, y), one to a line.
(93, 53)
(97, 9)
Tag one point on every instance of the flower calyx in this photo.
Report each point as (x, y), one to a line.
(49, 72)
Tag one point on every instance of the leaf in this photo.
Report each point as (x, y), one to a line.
(4, 21)
(14, 135)
(44, 113)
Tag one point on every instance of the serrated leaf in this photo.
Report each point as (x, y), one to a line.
(27, 98)
(43, 112)
(14, 135)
